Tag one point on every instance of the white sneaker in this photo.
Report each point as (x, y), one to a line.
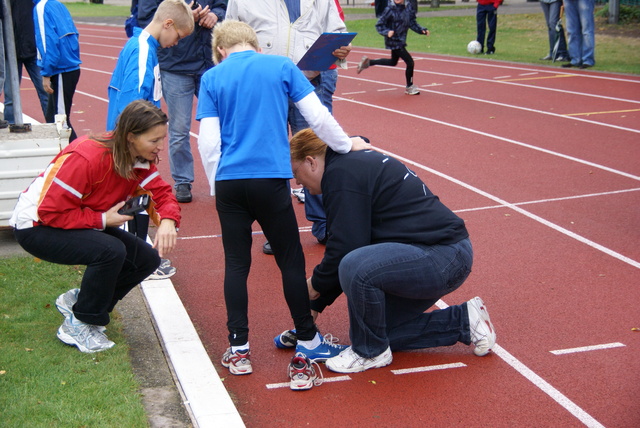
(304, 373)
(165, 270)
(65, 302)
(238, 363)
(483, 335)
(363, 65)
(350, 362)
(412, 90)
(86, 337)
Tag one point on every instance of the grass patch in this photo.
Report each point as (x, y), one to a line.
(45, 382)
(82, 10)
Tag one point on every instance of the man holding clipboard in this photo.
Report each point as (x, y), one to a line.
(290, 28)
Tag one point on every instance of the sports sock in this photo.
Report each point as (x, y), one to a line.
(244, 347)
(313, 343)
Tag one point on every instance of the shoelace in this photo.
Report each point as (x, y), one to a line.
(319, 376)
(330, 340)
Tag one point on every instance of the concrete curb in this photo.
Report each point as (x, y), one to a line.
(206, 398)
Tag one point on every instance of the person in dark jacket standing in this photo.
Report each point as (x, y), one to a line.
(394, 249)
(394, 24)
(26, 54)
(181, 68)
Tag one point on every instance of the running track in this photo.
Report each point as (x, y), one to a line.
(543, 165)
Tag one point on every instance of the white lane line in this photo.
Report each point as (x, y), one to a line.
(511, 106)
(588, 348)
(542, 201)
(502, 66)
(326, 379)
(461, 81)
(428, 368)
(354, 93)
(528, 74)
(517, 209)
(542, 384)
(506, 140)
(501, 77)
(387, 89)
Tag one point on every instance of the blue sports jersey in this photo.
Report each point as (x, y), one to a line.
(136, 76)
(249, 92)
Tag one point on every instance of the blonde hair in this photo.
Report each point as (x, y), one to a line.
(137, 118)
(178, 11)
(306, 143)
(230, 33)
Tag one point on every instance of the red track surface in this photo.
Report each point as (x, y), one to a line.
(543, 165)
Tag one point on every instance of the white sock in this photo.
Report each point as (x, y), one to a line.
(313, 343)
(244, 347)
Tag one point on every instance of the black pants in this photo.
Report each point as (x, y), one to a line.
(116, 262)
(487, 15)
(393, 61)
(268, 201)
(60, 102)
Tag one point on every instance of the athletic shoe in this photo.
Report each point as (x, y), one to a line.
(164, 271)
(483, 335)
(86, 337)
(561, 58)
(412, 90)
(325, 350)
(364, 64)
(238, 363)
(299, 194)
(183, 193)
(350, 362)
(304, 373)
(65, 302)
(285, 340)
(546, 58)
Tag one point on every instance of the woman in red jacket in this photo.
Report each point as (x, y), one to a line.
(69, 215)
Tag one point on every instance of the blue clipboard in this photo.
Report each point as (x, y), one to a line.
(319, 57)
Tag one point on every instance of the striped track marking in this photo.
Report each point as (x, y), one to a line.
(588, 348)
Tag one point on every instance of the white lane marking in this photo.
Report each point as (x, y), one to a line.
(428, 368)
(588, 348)
(462, 81)
(526, 213)
(542, 384)
(326, 379)
(479, 100)
(504, 139)
(501, 77)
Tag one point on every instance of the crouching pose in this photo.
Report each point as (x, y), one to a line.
(394, 249)
(69, 215)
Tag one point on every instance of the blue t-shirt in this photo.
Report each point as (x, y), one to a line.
(249, 92)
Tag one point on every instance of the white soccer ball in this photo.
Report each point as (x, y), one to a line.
(474, 47)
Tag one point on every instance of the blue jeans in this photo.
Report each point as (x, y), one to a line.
(390, 285)
(325, 86)
(580, 28)
(487, 15)
(116, 262)
(551, 16)
(178, 91)
(31, 65)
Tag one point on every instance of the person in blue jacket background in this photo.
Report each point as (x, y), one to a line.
(137, 72)
(58, 57)
(181, 68)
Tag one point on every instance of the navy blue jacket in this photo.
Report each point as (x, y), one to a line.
(399, 18)
(371, 198)
(192, 55)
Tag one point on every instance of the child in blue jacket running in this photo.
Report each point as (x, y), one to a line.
(394, 24)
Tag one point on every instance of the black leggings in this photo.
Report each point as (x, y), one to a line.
(268, 201)
(116, 262)
(60, 102)
(393, 61)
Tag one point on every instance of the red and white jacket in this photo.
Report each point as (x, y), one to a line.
(80, 185)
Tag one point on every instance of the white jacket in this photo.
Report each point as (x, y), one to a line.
(276, 34)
